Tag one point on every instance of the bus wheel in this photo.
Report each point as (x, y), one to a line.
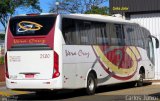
(140, 82)
(91, 84)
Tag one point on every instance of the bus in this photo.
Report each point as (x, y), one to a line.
(74, 51)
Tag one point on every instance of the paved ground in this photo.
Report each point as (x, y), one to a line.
(121, 92)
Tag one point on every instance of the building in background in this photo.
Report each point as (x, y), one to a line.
(144, 12)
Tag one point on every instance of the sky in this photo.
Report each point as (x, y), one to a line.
(45, 6)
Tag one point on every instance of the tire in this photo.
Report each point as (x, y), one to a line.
(132, 84)
(140, 82)
(91, 84)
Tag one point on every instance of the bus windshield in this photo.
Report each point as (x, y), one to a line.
(32, 25)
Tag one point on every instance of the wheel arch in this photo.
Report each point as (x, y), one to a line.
(142, 70)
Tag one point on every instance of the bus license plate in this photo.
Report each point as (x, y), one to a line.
(29, 75)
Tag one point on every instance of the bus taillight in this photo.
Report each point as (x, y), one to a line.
(6, 66)
(56, 65)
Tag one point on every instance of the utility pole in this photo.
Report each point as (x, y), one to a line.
(57, 4)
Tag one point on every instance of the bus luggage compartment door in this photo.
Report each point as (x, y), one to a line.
(30, 64)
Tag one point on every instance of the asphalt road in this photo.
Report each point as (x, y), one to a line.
(119, 92)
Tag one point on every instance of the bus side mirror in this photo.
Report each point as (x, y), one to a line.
(157, 43)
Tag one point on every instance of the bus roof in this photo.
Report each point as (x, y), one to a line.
(97, 17)
(92, 17)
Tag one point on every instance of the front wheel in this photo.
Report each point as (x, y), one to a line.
(91, 84)
(140, 82)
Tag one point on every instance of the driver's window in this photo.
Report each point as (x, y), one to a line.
(151, 51)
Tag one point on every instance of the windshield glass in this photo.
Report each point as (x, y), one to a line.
(31, 25)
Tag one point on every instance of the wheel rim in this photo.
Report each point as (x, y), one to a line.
(91, 84)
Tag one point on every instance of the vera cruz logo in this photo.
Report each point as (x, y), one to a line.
(28, 26)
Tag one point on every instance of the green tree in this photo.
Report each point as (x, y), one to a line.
(98, 10)
(8, 8)
(76, 6)
(2, 36)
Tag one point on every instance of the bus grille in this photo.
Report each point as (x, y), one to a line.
(29, 47)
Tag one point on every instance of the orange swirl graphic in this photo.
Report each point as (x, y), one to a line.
(28, 25)
(133, 54)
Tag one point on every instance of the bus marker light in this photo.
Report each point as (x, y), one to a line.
(13, 82)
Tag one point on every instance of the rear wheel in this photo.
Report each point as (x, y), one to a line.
(91, 84)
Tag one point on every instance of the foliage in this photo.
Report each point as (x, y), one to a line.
(8, 8)
(1, 60)
(2, 36)
(98, 10)
(76, 6)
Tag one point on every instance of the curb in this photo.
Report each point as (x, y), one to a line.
(154, 82)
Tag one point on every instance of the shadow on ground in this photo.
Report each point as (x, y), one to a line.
(70, 94)
(155, 96)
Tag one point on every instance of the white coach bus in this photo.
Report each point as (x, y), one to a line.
(73, 51)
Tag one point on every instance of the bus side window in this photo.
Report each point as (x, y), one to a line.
(120, 34)
(69, 31)
(150, 50)
(131, 31)
(112, 32)
(82, 32)
(108, 33)
(83, 29)
(141, 40)
(101, 35)
(146, 33)
(137, 36)
(127, 32)
(91, 33)
(105, 35)
(116, 34)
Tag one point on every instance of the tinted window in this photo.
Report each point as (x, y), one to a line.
(150, 50)
(69, 31)
(134, 36)
(128, 31)
(31, 25)
(116, 34)
(99, 29)
(146, 34)
(84, 32)
(83, 29)
(140, 37)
